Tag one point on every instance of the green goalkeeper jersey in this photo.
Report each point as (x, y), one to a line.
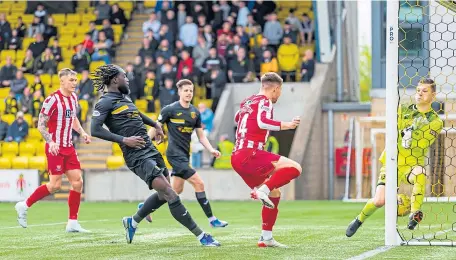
(425, 129)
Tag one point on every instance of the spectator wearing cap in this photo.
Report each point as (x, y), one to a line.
(189, 33)
(18, 130)
(152, 25)
(273, 31)
(288, 56)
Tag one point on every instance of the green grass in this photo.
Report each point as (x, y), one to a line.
(313, 230)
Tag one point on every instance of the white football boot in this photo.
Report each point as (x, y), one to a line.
(21, 209)
(74, 226)
(270, 243)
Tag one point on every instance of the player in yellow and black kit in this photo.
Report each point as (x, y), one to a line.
(419, 126)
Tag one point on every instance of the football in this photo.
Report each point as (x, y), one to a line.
(403, 205)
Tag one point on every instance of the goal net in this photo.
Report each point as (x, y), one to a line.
(421, 43)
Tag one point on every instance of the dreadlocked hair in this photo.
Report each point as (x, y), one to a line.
(102, 76)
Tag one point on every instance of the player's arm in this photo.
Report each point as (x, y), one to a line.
(159, 135)
(430, 133)
(99, 115)
(203, 138)
(164, 116)
(43, 119)
(47, 110)
(265, 121)
(78, 128)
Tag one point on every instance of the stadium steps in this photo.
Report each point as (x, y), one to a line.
(130, 46)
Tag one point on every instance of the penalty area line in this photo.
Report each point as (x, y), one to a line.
(55, 224)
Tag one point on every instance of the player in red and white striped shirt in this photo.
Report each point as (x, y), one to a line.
(59, 115)
(257, 167)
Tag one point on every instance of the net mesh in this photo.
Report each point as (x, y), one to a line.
(427, 49)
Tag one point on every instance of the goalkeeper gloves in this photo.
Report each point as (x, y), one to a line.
(407, 137)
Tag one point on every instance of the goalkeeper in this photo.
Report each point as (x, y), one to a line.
(419, 126)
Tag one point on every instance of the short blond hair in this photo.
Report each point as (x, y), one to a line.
(67, 72)
(184, 82)
(271, 77)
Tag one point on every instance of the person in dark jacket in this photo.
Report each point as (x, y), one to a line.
(85, 87)
(307, 66)
(168, 94)
(15, 42)
(80, 60)
(8, 72)
(5, 30)
(37, 47)
(50, 30)
(18, 130)
(118, 15)
(217, 85)
(3, 129)
(26, 101)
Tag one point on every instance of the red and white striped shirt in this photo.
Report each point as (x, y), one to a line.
(254, 120)
(61, 111)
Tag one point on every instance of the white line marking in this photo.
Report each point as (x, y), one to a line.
(55, 224)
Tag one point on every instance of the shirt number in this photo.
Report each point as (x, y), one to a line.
(243, 126)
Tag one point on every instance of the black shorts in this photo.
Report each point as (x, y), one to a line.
(181, 167)
(150, 168)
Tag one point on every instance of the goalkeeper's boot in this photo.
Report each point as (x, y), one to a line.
(74, 226)
(263, 197)
(21, 209)
(270, 243)
(148, 217)
(353, 227)
(414, 219)
(208, 240)
(129, 229)
(218, 223)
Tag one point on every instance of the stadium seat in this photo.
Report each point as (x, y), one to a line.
(20, 55)
(18, 7)
(20, 162)
(5, 163)
(150, 3)
(115, 162)
(40, 149)
(10, 148)
(161, 148)
(2, 107)
(95, 64)
(126, 6)
(6, 53)
(34, 135)
(116, 149)
(86, 18)
(167, 163)
(55, 81)
(73, 19)
(27, 149)
(4, 92)
(38, 162)
(26, 42)
(84, 104)
(28, 118)
(29, 77)
(8, 118)
(59, 20)
(141, 104)
(27, 19)
(67, 31)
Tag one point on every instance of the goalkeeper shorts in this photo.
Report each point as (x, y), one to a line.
(402, 175)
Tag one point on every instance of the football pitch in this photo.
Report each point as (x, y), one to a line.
(312, 230)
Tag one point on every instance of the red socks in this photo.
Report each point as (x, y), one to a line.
(269, 216)
(282, 177)
(37, 195)
(74, 200)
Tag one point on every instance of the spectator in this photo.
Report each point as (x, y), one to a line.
(152, 25)
(181, 15)
(233, 48)
(225, 8)
(36, 27)
(242, 14)
(226, 30)
(188, 33)
(258, 52)
(135, 90)
(102, 11)
(166, 34)
(197, 10)
(46, 63)
(293, 21)
(288, 32)
(202, 21)
(200, 54)
(28, 63)
(167, 94)
(261, 9)
(26, 101)
(239, 69)
(149, 63)
(20, 27)
(207, 116)
(88, 44)
(197, 151)
(186, 61)
(38, 46)
(15, 42)
(18, 84)
(138, 70)
(118, 15)
(37, 85)
(307, 66)
(171, 22)
(151, 87)
(8, 72)
(85, 87)
(179, 48)
(218, 17)
(40, 12)
(288, 56)
(107, 29)
(273, 31)
(174, 61)
(11, 104)
(93, 32)
(161, 12)
(251, 24)
(214, 61)
(269, 63)
(49, 30)
(217, 85)
(146, 49)
(3, 129)
(209, 36)
(56, 50)
(242, 35)
(307, 29)
(80, 60)
(222, 45)
(38, 100)
(18, 130)
(164, 50)
(186, 74)
(102, 49)
(5, 30)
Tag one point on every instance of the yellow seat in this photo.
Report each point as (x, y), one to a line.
(115, 162)
(29, 77)
(55, 81)
(2, 107)
(88, 17)
(28, 118)
(27, 19)
(26, 42)
(141, 104)
(6, 53)
(20, 55)
(207, 102)
(38, 162)
(46, 79)
(150, 3)
(34, 135)
(161, 148)
(95, 64)
(64, 64)
(126, 6)
(67, 31)
(81, 30)
(41, 149)
(59, 19)
(5, 9)
(20, 162)
(84, 104)
(27, 149)
(5, 163)
(116, 149)
(10, 148)
(8, 118)
(18, 8)
(73, 19)
(4, 92)
(167, 163)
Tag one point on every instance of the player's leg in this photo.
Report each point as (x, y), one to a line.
(74, 200)
(417, 177)
(269, 217)
(198, 185)
(55, 171)
(284, 170)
